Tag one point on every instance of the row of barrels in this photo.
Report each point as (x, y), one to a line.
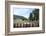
(16, 25)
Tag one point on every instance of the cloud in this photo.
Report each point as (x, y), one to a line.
(23, 11)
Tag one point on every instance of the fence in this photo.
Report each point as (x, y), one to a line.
(26, 24)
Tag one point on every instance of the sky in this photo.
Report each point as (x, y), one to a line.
(23, 11)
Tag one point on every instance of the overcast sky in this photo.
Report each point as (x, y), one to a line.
(23, 11)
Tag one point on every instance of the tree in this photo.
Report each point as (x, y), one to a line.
(34, 15)
(30, 16)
